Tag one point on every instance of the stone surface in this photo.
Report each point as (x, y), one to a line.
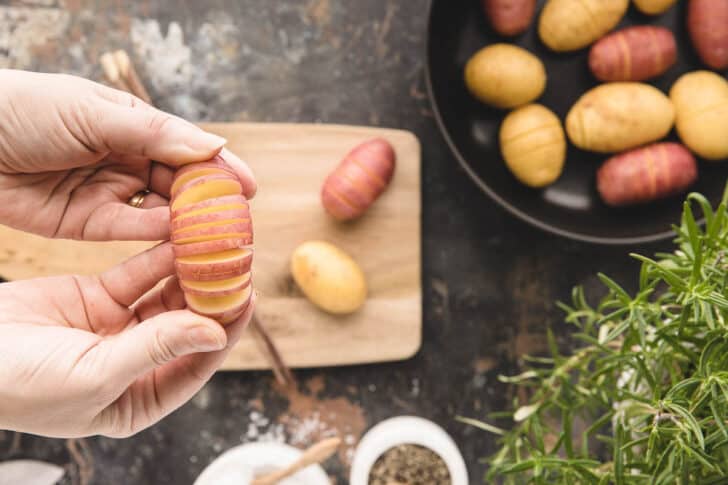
(489, 281)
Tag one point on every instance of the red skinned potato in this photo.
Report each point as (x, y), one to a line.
(633, 54)
(708, 27)
(646, 174)
(359, 179)
(212, 232)
(509, 17)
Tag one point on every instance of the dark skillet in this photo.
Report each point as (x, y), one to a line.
(571, 207)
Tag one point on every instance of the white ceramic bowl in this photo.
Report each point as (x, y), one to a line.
(240, 464)
(406, 430)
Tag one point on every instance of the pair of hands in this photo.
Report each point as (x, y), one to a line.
(109, 354)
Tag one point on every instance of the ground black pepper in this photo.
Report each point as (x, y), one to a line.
(409, 465)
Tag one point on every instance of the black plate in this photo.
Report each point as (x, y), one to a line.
(571, 207)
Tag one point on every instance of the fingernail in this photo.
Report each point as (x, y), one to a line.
(205, 340)
(205, 142)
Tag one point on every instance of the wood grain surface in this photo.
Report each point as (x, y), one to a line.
(290, 162)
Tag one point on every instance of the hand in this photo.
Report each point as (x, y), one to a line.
(104, 355)
(72, 153)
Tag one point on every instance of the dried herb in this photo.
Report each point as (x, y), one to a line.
(411, 465)
(643, 399)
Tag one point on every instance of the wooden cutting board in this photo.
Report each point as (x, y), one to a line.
(290, 162)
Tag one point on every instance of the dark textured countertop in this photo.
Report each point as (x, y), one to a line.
(488, 280)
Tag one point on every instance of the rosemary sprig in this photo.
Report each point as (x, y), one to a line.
(643, 399)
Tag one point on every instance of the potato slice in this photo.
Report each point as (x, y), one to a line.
(215, 266)
(215, 166)
(204, 188)
(242, 208)
(186, 223)
(180, 180)
(209, 203)
(216, 288)
(206, 247)
(214, 236)
(202, 225)
(220, 230)
(224, 309)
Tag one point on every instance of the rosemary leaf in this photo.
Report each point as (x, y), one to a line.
(642, 397)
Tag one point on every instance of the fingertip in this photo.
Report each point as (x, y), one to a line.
(206, 142)
(207, 337)
(204, 334)
(160, 180)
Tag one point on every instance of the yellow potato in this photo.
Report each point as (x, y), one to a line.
(618, 116)
(569, 25)
(533, 145)
(701, 106)
(329, 277)
(505, 76)
(654, 7)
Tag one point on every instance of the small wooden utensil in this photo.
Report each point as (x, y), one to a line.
(314, 454)
(281, 371)
(120, 72)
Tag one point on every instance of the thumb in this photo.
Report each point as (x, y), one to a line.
(162, 339)
(145, 131)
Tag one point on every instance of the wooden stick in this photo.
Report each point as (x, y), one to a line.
(315, 454)
(130, 76)
(120, 72)
(281, 371)
(111, 70)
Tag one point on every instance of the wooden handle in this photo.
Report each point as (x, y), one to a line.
(315, 454)
(120, 72)
(281, 371)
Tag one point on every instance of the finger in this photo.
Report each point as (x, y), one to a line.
(166, 388)
(136, 163)
(159, 341)
(160, 179)
(151, 133)
(153, 200)
(178, 381)
(117, 221)
(160, 300)
(128, 281)
(243, 171)
(118, 96)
